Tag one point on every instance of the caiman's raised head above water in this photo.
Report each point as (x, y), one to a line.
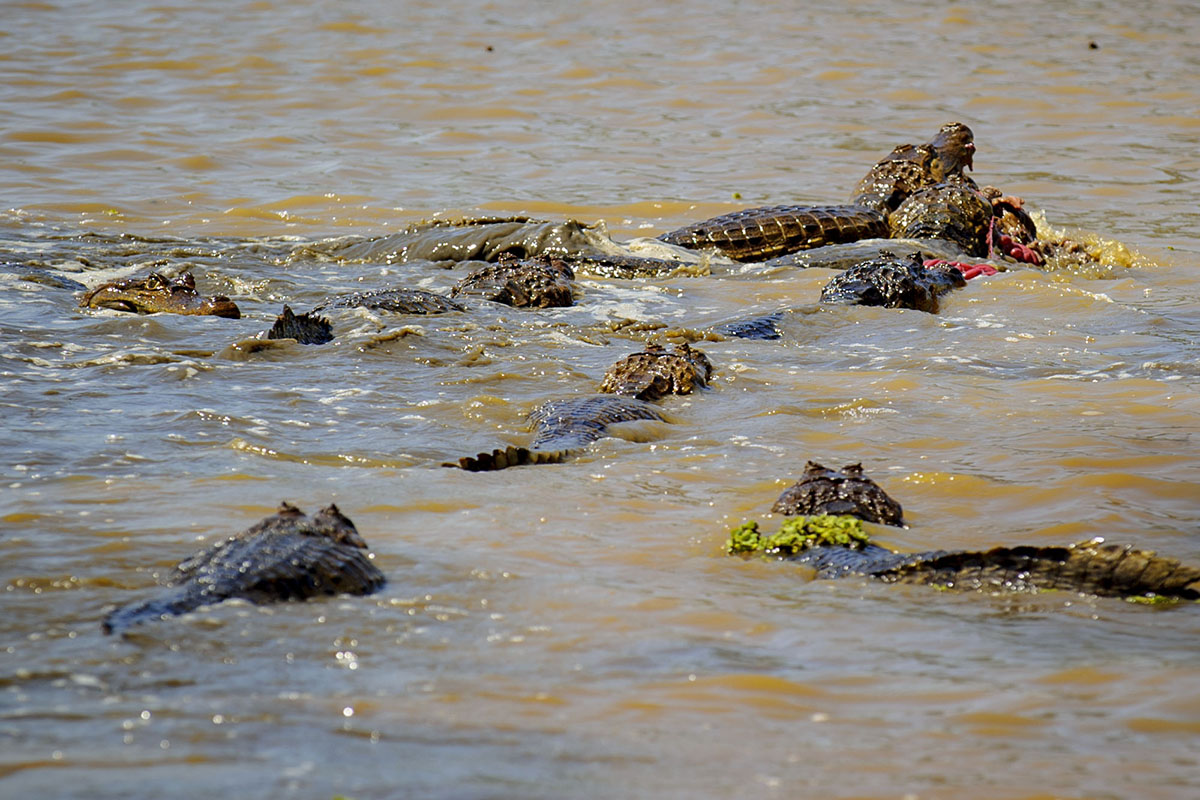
(156, 292)
(846, 491)
(954, 145)
(910, 168)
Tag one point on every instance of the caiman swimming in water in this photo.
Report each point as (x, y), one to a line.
(287, 556)
(563, 426)
(654, 373)
(830, 539)
(156, 293)
(944, 204)
(536, 282)
(893, 282)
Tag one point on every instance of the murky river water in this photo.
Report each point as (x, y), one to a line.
(575, 630)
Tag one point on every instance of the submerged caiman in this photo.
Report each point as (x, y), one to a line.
(158, 293)
(565, 425)
(829, 537)
(287, 556)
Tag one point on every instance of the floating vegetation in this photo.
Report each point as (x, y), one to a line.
(798, 534)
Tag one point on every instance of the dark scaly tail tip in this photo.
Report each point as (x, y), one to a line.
(503, 458)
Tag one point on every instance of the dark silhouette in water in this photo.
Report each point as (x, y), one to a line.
(287, 556)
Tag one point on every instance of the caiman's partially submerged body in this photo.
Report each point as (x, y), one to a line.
(287, 556)
(1090, 567)
(893, 282)
(563, 426)
(306, 328)
(828, 536)
(954, 211)
(397, 301)
(846, 491)
(654, 373)
(758, 234)
(537, 282)
(158, 293)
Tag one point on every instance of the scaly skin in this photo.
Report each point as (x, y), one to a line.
(909, 168)
(757, 234)
(952, 211)
(623, 266)
(563, 426)
(158, 293)
(846, 491)
(655, 373)
(398, 301)
(538, 282)
(306, 328)
(893, 282)
(287, 556)
(1090, 567)
(763, 327)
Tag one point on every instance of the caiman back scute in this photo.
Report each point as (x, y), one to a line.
(287, 556)
(757, 234)
(1091, 567)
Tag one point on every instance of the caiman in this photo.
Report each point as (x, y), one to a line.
(893, 282)
(306, 328)
(156, 292)
(952, 211)
(537, 282)
(654, 373)
(758, 234)
(397, 301)
(836, 548)
(287, 556)
(828, 536)
(846, 491)
(561, 427)
(764, 326)
(566, 425)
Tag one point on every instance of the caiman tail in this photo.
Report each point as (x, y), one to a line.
(180, 601)
(757, 234)
(561, 427)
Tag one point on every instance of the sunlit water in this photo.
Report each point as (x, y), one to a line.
(575, 630)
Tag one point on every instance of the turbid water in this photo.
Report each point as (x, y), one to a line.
(575, 630)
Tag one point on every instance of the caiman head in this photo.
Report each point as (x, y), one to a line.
(332, 523)
(954, 145)
(155, 293)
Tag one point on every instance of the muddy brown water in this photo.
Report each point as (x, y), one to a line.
(575, 630)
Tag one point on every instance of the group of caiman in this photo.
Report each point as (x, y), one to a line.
(937, 227)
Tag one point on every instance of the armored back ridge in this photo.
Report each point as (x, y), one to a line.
(287, 556)
(846, 491)
(1090, 567)
(757, 234)
(893, 282)
(829, 537)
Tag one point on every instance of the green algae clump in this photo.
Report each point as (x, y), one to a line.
(744, 539)
(798, 534)
(1152, 599)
